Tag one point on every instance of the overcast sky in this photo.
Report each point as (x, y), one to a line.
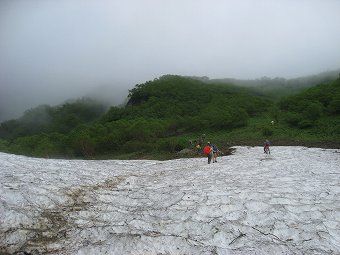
(53, 50)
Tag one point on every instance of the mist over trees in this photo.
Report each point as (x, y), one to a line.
(306, 109)
(46, 119)
(156, 111)
(278, 86)
(161, 115)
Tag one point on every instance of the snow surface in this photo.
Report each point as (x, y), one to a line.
(247, 203)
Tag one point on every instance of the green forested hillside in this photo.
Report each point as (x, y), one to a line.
(317, 108)
(162, 117)
(193, 102)
(278, 87)
(47, 119)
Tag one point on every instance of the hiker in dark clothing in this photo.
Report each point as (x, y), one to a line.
(266, 147)
(215, 151)
(198, 148)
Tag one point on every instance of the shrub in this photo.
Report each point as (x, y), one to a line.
(172, 144)
(3, 145)
(334, 106)
(266, 131)
(313, 111)
(137, 146)
(305, 124)
(293, 118)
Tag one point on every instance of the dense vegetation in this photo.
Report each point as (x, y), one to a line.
(278, 87)
(162, 117)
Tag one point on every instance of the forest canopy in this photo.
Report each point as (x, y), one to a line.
(161, 115)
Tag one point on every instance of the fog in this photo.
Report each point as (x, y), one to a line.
(51, 51)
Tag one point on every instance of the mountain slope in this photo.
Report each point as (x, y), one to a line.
(162, 117)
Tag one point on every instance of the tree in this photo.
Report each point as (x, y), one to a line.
(313, 111)
(334, 105)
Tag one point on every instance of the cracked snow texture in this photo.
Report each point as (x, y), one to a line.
(247, 203)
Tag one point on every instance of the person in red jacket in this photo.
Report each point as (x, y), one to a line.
(266, 147)
(208, 150)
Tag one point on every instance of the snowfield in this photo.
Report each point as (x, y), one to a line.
(247, 203)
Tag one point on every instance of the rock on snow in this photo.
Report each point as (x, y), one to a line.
(246, 203)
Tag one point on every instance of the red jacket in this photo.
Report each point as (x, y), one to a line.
(207, 150)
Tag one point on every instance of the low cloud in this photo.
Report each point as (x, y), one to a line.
(55, 50)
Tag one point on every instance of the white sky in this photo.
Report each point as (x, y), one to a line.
(54, 50)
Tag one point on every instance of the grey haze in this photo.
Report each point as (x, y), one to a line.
(53, 50)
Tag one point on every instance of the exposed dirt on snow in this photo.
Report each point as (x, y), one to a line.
(247, 203)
